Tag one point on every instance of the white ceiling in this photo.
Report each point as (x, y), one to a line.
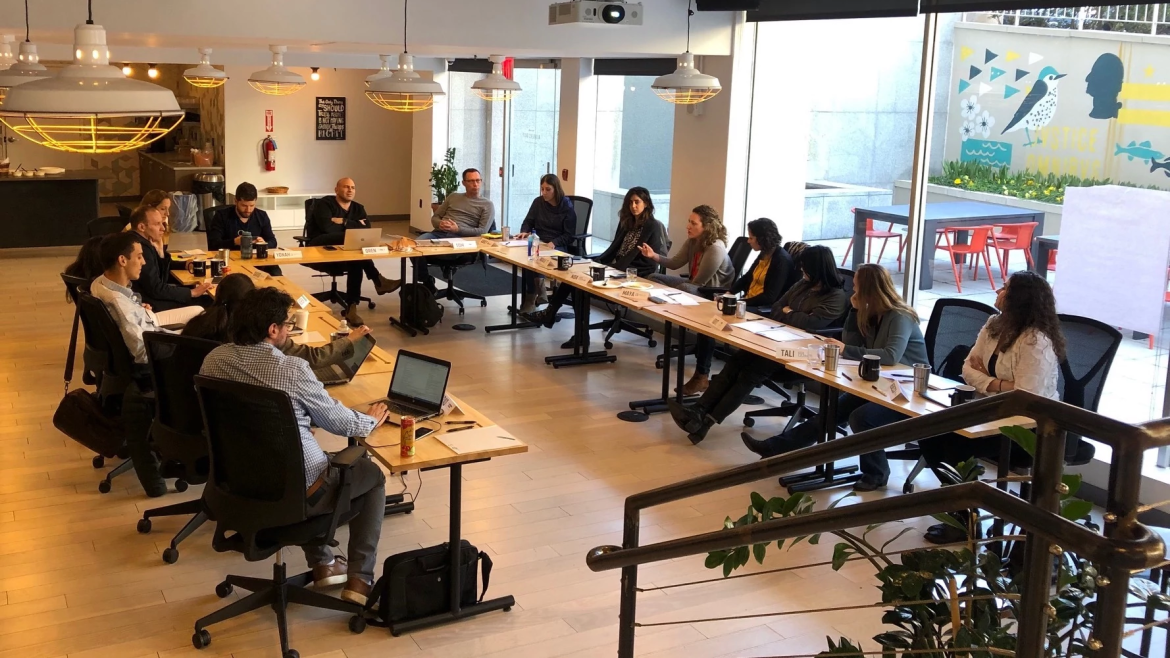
(351, 33)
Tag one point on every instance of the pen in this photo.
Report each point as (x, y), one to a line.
(846, 376)
(460, 429)
(874, 387)
(460, 422)
(506, 438)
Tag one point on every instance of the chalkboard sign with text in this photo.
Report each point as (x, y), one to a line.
(330, 117)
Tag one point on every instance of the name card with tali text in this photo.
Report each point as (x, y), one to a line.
(375, 251)
(792, 353)
(303, 301)
(285, 254)
(719, 324)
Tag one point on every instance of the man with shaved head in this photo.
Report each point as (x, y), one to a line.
(330, 217)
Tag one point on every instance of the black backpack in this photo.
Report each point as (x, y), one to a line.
(414, 584)
(419, 308)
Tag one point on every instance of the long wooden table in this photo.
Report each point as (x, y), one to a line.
(430, 454)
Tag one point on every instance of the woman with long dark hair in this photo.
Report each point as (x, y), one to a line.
(815, 302)
(773, 271)
(88, 264)
(704, 255)
(636, 226)
(880, 324)
(554, 221)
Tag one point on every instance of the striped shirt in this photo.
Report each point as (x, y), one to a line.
(132, 317)
(264, 365)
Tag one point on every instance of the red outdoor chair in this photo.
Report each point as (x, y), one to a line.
(1009, 238)
(885, 236)
(978, 247)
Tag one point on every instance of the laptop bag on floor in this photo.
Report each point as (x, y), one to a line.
(414, 584)
(80, 417)
(419, 308)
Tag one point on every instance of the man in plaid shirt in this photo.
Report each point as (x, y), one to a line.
(258, 328)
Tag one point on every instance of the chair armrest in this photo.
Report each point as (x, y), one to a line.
(348, 457)
(830, 333)
(582, 236)
(709, 292)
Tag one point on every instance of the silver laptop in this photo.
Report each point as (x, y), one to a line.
(357, 238)
(417, 387)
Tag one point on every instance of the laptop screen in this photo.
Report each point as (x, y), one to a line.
(420, 380)
(361, 350)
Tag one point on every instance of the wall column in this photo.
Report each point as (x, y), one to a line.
(578, 121)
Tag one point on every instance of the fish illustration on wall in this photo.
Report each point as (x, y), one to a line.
(1163, 165)
(1135, 151)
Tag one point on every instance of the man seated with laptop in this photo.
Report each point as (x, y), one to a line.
(339, 220)
(258, 328)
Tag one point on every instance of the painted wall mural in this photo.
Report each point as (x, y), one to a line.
(1089, 104)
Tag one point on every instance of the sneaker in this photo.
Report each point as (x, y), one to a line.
(352, 317)
(327, 575)
(386, 286)
(356, 591)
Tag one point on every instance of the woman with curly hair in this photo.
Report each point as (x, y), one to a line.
(772, 273)
(705, 256)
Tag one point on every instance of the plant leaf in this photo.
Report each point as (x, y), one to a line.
(759, 550)
(841, 553)
(949, 520)
(1023, 437)
(791, 504)
(895, 537)
(758, 503)
(815, 539)
(1073, 482)
(1075, 509)
(841, 499)
(715, 559)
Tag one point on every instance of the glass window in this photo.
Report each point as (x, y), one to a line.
(634, 143)
(476, 132)
(534, 120)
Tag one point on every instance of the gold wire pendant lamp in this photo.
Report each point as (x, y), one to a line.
(205, 76)
(496, 86)
(276, 80)
(404, 90)
(686, 86)
(90, 106)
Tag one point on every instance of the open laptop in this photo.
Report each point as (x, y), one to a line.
(344, 372)
(357, 238)
(417, 387)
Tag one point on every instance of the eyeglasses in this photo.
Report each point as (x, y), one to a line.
(290, 323)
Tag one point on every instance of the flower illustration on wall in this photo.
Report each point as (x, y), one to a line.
(984, 123)
(968, 130)
(970, 107)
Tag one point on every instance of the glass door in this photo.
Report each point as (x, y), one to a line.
(530, 143)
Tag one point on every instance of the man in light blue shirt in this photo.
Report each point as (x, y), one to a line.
(259, 327)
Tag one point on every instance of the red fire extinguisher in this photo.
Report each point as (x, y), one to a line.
(268, 147)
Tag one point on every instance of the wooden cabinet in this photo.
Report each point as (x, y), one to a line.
(160, 171)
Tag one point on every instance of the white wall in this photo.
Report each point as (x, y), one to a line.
(429, 139)
(376, 152)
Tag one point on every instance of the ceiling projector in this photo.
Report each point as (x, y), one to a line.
(593, 12)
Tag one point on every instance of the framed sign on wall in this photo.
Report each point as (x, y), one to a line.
(331, 118)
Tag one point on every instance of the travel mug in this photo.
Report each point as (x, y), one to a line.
(506, 233)
(962, 394)
(832, 357)
(921, 378)
(245, 245)
(741, 310)
(870, 368)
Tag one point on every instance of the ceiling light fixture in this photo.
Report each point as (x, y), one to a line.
(27, 66)
(276, 80)
(384, 72)
(686, 86)
(315, 76)
(6, 57)
(151, 71)
(496, 86)
(90, 107)
(126, 70)
(205, 76)
(404, 90)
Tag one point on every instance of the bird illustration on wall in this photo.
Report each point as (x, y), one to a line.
(1038, 107)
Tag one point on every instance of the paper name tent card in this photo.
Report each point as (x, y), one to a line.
(492, 437)
(309, 337)
(285, 254)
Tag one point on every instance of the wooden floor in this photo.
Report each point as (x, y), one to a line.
(77, 580)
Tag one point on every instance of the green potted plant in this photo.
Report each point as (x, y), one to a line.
(444, 178)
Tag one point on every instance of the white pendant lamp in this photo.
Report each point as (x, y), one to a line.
(384, 72)
(276, 80)
(6, 56)
(686, 86)
(496, 87)
(205, 76)
(27, 66)
(90, 106)
(404, 90)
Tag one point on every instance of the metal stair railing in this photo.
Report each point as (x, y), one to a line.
(1126, 545)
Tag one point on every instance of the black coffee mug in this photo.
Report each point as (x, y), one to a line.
(597, 272)
(870, 368)
(726, 303)
(198, 268)
(962, 394)
(564, 262)
(261, 251)
(216, 267)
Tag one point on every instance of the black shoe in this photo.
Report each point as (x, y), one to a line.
(569, 344)
(757, 446)
(945, 534)
(870, 483)
(156, 489)
(541, 317)
(688, 417)
(700, 433)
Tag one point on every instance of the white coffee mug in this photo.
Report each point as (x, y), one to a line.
(301, 318)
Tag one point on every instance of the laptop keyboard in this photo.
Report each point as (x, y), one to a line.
(405, 410)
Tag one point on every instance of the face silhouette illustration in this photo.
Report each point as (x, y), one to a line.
(1104, 84)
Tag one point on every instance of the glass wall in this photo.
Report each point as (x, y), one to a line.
(476, 132)
(533, 121)
(634, 143)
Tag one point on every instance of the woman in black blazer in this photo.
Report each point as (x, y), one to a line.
(780, 272)
(636, 226)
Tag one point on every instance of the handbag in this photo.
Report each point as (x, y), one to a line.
(414, 584)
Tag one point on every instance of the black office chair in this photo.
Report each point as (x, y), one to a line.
(950, 334)
(119, 370)
(124, 211)
(583, 208)
(177, 431)
(105, 226)
(621, 320)
(1091, 346)
(331, 270)
(93, 361)
(256, 495)
(798, 410)
(208, 214)
(448, 266)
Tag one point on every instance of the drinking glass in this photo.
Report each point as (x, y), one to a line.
(632, 274)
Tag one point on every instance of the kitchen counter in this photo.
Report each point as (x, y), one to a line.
(170, 171)
(48, 211)
(79, 174)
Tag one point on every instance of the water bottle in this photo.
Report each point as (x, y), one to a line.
(342, 329)
(245, 245)
(531, 244)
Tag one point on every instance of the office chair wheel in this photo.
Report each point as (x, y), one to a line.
(292, 653)
(608, 345)
(104, 486)
(98, 461)
(143, 526)
(171, 555)
(461, 310)
(371, 305)
(482, 303)
(224, 589)
(201, 639)
(908, 488)
(653, 343)
(181, 485)
(748, 421)
(357, 624)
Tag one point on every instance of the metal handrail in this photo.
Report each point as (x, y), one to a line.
(1126, 545)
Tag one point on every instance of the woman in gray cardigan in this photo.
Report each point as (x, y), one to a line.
(704, 257)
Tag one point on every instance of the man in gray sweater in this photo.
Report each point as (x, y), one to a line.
(461, 215)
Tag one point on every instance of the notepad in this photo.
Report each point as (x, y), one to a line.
(309, 337)
(492, 437)
(781, 335)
